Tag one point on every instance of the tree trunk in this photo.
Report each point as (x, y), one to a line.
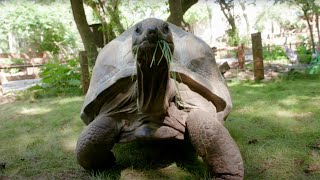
(177, 9)
(233, 32)
(241, 56)
(1, 92)
(85, 76)
(317, 25)
(210, 21)
(114, 25)
(257, 56)
(84, 30)
(245, 16)
(310, 30)
(176, 16)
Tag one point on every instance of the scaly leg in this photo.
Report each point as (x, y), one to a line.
(214, 144)
(94, 145)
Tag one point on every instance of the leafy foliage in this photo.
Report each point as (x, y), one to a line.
(59, 79)
(304, 54)
(287, 19)
(276, 53)
(138, 10)
(196, 14)
(35, 25)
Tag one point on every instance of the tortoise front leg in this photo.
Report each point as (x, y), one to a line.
(214, 144)
(94, 145)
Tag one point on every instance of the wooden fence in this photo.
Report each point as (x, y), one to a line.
(27, 65)
(238, 52)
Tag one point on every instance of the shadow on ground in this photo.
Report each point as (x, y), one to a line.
(151, 160)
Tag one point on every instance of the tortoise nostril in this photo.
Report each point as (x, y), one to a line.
(152, 33)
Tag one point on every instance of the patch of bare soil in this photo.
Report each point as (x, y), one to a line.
(8, 98)
(271, 71)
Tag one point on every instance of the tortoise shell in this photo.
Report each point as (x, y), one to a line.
(193, 61)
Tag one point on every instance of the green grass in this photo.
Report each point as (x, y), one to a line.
(276, 126)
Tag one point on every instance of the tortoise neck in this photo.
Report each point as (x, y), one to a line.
(152, 85)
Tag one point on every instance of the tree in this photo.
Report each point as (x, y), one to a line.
(109, 15)
(226, 7)
(31, 26)
(84, 30)
(307, 8)
(316, 11)
(287, 19)
(242, 4)
(177, 9)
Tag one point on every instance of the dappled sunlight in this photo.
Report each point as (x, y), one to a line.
(257, 85)
(278, 159)
(315, 101)
(35, 110)
(245, 84)
(243, 110)
(69, 129)
(69, 144)
(167, 172)
(24, 140)
(64, 100)
(293, 115)
(173, 169)
(290, 101)
(70, 100)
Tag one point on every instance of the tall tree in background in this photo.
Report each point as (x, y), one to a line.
(316, 11)
(307, 7)
(243, 4)
(108, 13)
(227, 10)
(177, 9)
(84, 30)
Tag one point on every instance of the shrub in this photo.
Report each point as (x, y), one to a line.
(304, 54)
(276, 53)
(35, 25)
(59, 79)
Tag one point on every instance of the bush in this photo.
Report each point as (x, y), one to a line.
(276, 53)
(35, 25)
(59, 79)
(304, 54)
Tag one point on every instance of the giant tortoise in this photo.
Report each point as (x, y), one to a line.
(158, 82)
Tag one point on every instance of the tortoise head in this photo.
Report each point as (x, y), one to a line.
(152, 45)
(148, 40)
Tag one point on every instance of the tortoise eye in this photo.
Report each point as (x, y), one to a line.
(138, 30)
(165, 28)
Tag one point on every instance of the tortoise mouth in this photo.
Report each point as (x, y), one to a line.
(148, 44)
(152, 43)
(153, 52)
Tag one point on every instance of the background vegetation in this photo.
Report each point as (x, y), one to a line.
(37, 27)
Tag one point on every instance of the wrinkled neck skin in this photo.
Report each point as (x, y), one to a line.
(152, 82)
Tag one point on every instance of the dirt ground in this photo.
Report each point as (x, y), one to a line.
(271, 71)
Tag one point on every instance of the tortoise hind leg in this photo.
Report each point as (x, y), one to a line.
(94, 145)
(214, 144)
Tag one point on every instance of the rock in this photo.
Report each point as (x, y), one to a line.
(224, 67)
(2, 165)
(253, 141)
